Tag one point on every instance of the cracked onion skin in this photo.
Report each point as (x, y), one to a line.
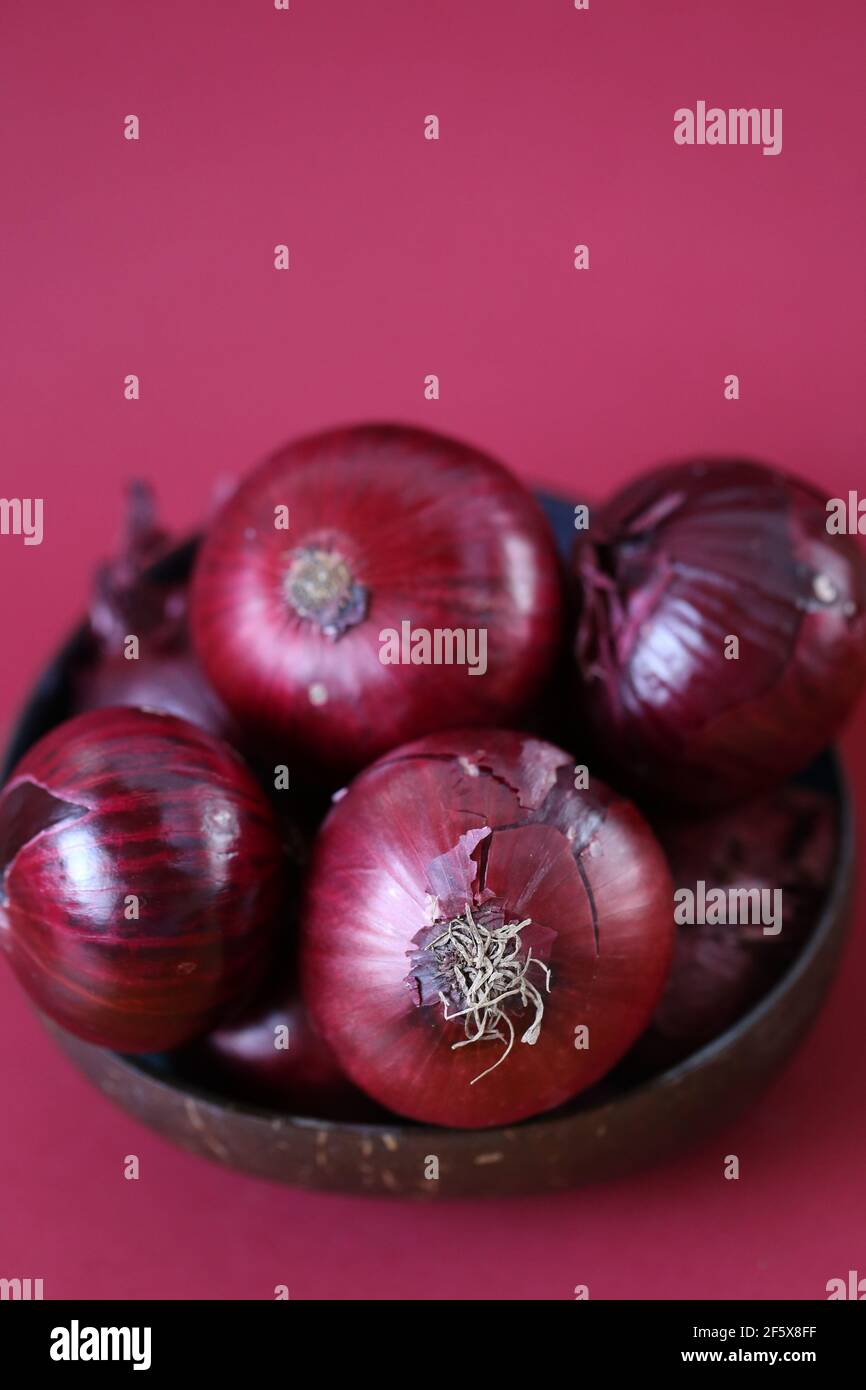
(386, 525)
(122, 802)
(671, 567)
(493, 817)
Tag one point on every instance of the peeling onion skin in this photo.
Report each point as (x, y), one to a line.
(673, 565)
(127, 599)
(121, 802)
(366, 901)
(429, 531)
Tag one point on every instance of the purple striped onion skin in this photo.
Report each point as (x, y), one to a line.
(141, 878)
(673, 567)
(482, 821)
(408, 527)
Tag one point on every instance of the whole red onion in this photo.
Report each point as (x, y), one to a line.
(468, 913)
(141, 877)
(130, 600)
(674, 566)
(273, 1056)
(787, 841)
(390, 531)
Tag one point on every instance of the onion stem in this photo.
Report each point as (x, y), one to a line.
(319, 587)
(487, 968)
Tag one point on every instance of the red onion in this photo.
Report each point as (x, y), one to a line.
(141, 873)
(468, 913)
(275, 1057)
(399, 544)
(129, 600)
(784, 841)
(678, 563)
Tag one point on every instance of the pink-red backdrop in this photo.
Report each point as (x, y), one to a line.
(411, 257)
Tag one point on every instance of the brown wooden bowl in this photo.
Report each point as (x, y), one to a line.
(606, 1134)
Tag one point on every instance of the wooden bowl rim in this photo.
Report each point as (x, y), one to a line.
(830, 911)
(705, 1055)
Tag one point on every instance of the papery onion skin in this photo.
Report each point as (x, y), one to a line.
(410, 527)
(304, 1078)
(675, 564)
(582, 865)
(118, 803)
(128, 600)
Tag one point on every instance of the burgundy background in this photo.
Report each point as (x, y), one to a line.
(410, 257)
